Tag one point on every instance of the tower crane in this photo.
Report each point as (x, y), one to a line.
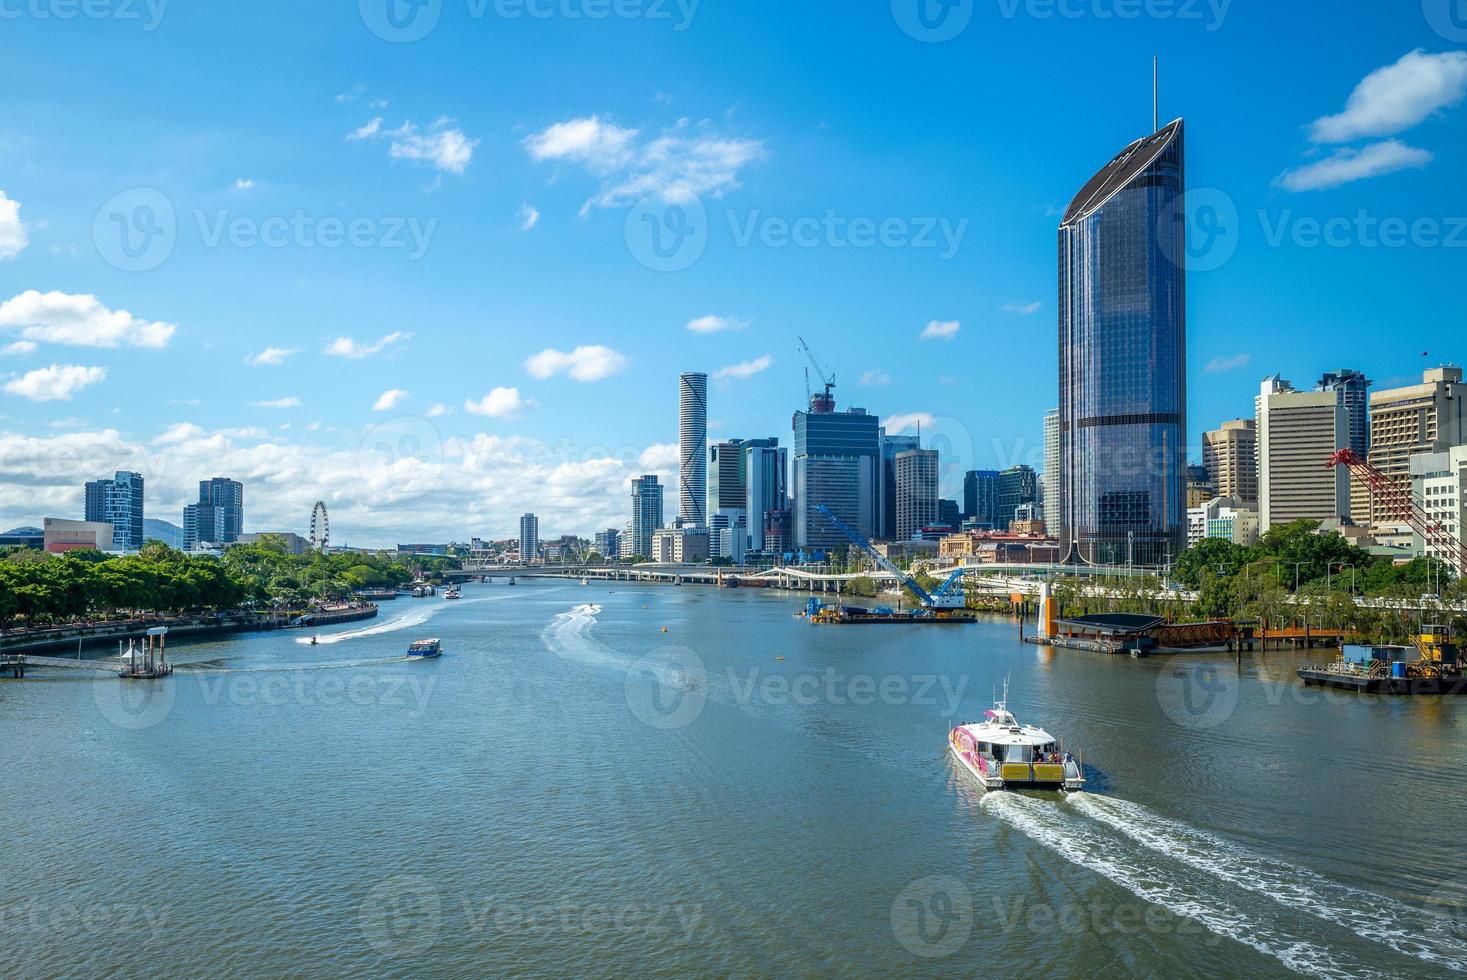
(818, 403)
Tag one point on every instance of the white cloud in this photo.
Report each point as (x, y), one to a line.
(18, 348)
(1220, 364)
(438, 411)
(389, 399)
(443, 145)
(244, 184)
(679, 164)
(56, 383)
(1397, 97)
(716, 324)
(1348, 165)
(529, 216)
(592, 363)
(272, 356)
(875, 377)
(356, 351)
(941, 330)
(501, 403)
(745, 369)
(79, 320)
(1023, 309)
(910, 420)
(290, 402)
(13, 239)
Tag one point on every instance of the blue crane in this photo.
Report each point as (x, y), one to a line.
(947, 596)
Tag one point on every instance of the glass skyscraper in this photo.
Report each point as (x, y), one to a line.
(1122, 359)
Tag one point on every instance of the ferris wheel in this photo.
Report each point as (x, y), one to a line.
(320, 527)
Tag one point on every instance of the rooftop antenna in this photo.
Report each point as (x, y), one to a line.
(1155, 95)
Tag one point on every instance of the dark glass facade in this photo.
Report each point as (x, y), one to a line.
(1122, 359)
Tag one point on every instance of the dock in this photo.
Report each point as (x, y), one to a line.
(1377, 683)
(12, 665)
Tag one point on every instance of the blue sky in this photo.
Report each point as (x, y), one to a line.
(415, 277)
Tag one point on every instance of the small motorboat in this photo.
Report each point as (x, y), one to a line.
(453, 593)
(1002, 754)
(315, 640)
(425, 650)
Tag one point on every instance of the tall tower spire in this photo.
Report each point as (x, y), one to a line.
(1155, 95)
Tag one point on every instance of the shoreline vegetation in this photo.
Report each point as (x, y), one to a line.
(90, 591)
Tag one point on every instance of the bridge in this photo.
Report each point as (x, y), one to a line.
(15, 664)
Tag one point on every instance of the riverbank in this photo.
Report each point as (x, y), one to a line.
(179, 627)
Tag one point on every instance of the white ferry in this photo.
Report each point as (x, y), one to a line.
(1002, 754)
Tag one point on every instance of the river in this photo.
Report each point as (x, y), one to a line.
(572, 790)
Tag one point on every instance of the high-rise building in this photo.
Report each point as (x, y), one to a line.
(119, 502)
(886, 515)
(646, 514)
(980, 498)
(693, 448)
(1353, 390)
(1123, 358)
(779, 534)
(766, 479)
(218, 517)
(1049, 482)
(608, 544)
(1200, 488)
(1015, 488)
(949, 514)
(837, 464)
(1439, 481)
(529, 538)
(1230, 455)
(1298, 433)
(916, 492)
(1430, 417)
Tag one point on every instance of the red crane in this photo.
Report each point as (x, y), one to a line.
(1400, 503)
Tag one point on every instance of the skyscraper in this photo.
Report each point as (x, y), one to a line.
(1353, 389)
(891, 447)
(119, 502)
(1298, 432)
(529, 538)
(646, 515)
(1231, 457)
(693, 448)
(1049, 486)
(916, 492)
(1430, 417)
(766, 479)
(1122, 359)
(1016, 487)
(980, 497)
(837, 463)
(218, 517)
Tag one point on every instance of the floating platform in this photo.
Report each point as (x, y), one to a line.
(857, 616)
(1363, 683)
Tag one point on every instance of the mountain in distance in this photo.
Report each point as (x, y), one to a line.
(169, 534)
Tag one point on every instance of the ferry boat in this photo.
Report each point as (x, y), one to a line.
(425, 650)
(1003, 754)
(453, 593)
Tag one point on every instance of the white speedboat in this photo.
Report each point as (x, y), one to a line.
(1003, 754)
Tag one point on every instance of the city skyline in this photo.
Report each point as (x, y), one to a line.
(415, 414)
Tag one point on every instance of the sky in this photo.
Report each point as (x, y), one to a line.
(440, 262)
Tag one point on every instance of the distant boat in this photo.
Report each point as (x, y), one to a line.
(453, 593)
(425, 650)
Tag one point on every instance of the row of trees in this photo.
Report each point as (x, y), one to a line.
(38, 588)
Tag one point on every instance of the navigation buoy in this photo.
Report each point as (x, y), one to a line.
(664, 629)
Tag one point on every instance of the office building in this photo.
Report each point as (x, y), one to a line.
(1230, 455)
(1298, 433)
(766, 478)
(1200, 488)
(1226, 518)
(529, 538)
(980, 499)
(1353, 390)
(949, 513)
(1430, 417)
(119, 502)
(1049, 483)
(608, 544)
(1015, 487)
(1122, 359)
(218, 517)
(646, 515)
(916, 492)
(59, 536)
(1439, 482)
(693, 448)
(779, 532)
(837, 464)
(886, 515)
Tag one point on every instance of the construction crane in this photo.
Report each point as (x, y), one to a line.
(1403, 505)
(825, 403)
(946, 597)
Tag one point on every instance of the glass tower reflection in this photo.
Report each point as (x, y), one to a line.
(1123, 355)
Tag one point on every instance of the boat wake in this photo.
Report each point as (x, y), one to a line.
(288, 668)
(413, 617)
(569, 635)
(1227, 890)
